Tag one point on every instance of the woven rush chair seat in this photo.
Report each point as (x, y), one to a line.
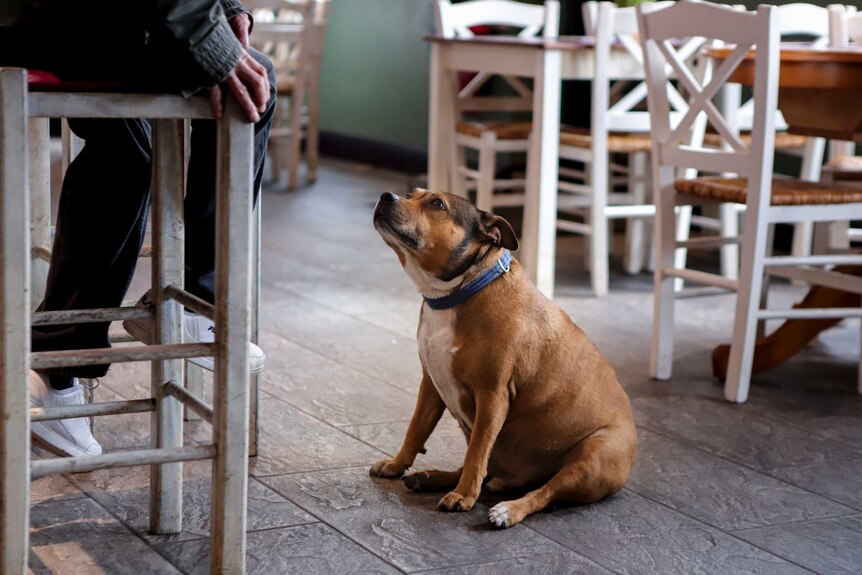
(618, 142)
(783, 140)
(503, 130)
(284, 85)
(785, 192)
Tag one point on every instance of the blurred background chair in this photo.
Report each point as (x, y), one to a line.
(480, 128)
(614, 150)
(293, 35)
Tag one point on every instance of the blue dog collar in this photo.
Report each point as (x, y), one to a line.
(474, 286)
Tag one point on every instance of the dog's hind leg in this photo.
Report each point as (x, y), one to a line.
(432, 480)
(597, 467)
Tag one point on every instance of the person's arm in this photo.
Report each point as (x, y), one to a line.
(201, 27)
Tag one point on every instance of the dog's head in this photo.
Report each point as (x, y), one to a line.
(438, 237)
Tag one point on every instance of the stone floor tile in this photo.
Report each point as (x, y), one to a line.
(826, 546)
(402, 527)
(126, 494)
(838, 480)
(445, 448)
(719, 492)
(79, 537)
(307, 549)
(630, 534)
(293, 442)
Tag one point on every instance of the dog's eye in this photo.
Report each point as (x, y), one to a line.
(438, 203)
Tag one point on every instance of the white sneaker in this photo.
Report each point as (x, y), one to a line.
(197, 329)
(71, 437)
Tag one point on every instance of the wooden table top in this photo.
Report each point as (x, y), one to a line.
(805, 66)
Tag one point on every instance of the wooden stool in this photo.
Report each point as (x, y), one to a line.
(228, 415)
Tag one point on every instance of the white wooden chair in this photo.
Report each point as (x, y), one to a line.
(228, 415)
(618, 126)
(473, 132)
(293, 34)
(821, 26)
(767, 201)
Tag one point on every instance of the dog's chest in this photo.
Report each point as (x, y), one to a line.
(437, 349)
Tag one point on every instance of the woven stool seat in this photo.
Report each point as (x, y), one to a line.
(785, 192)
(284, 85)
(503, 130)
(618, 142)
(783, 140)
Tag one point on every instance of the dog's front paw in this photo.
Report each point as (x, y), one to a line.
(454, 501)
(388, 468)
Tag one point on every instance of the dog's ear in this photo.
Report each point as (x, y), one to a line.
(498, 231)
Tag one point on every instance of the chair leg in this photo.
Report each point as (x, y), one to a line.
(599, 253)
(635, 226)
(487, 170)
(39, 174)
(458, 160)
(661, 355)
(254, 380)
(683, 232)
(312, 131)
(754, 246)
(294, 146)
(729, 222)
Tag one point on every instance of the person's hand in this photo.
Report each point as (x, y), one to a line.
(241, 26)
(248, 83)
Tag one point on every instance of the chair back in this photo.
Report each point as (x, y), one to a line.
(617, 100)
(455, 21)
(290, 33)
(740, 31)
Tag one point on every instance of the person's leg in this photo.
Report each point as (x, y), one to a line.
(200, 193)
(101, 223)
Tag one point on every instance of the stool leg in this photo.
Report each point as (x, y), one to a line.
(232, 304)
(14, 324)
(39, 173)
(254, 380)
(166, 483)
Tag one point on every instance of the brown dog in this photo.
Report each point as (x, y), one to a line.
(538, 403)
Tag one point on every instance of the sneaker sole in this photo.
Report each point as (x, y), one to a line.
(55, 443)
(139, 330)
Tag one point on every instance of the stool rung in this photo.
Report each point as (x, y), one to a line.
(131, 458)
(190, 400)
(93, 409)
(190, 301)
(51, 359)
(89, 315)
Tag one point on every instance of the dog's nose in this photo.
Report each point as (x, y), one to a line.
(389, 197)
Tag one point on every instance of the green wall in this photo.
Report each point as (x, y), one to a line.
(374, 82)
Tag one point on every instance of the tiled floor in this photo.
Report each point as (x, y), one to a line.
(772, 486)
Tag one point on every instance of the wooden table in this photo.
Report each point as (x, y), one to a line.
(820, 88)
(547, 61)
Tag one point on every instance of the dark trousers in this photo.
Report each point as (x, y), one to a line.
(102, 217)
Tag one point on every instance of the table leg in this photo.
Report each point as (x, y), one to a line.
(14, 325)
(540, 209)
(441, 120)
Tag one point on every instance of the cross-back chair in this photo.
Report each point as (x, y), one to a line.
(768, 201)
